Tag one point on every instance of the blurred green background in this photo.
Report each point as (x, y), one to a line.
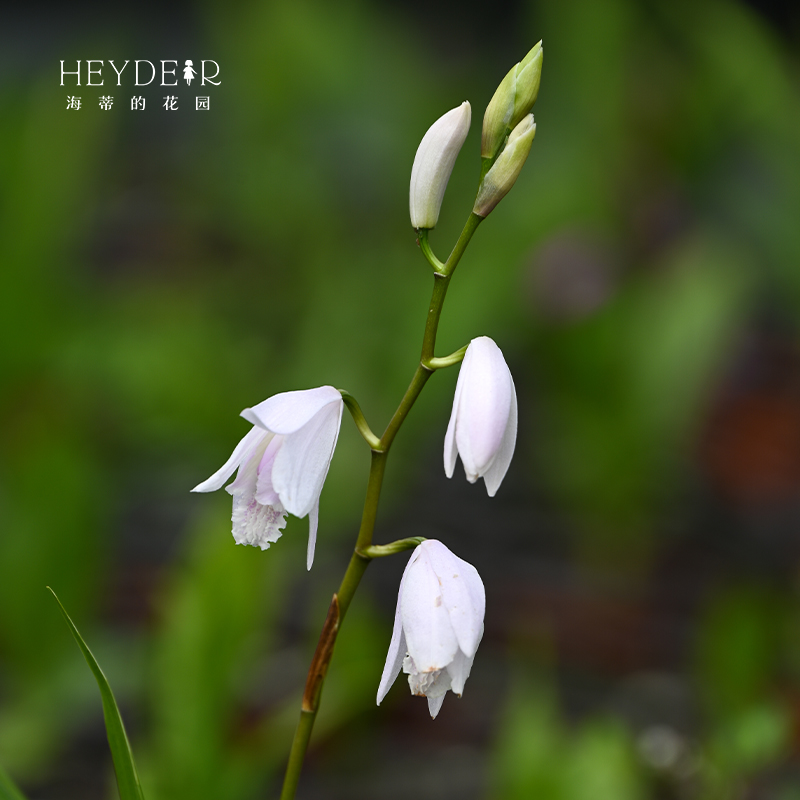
(163, 270)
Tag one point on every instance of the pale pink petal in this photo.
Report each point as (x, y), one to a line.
(397, 647)
(477, 595)
(217, 480)
(394, 661)
(304, 458)
(497, 471)
(435, 705)
(288, 412)
(484, 407)
(450, 449)
(462, 593)
(429, 632)
(459, 669)
(265, 491)
(247, 477)
(313, 524)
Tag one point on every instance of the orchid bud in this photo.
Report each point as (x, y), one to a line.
(438, 625)
(433, 163)
(512, 101)
(483, 423)
(505, 171)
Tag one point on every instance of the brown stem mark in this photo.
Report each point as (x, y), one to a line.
(322, 657)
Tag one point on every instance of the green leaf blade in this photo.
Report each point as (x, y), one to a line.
(121, 753)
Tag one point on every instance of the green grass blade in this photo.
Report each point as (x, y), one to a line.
(127, 779)
(8, 789)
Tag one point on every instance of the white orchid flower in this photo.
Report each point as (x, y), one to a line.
(483, 423)
(438, 625)
(282, 463)
(433, 163)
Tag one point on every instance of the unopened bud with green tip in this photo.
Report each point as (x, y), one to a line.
(505, 171)
(433, 163)
(512, 101)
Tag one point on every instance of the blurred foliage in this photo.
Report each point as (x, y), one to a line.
(158, 273)
(537, 756)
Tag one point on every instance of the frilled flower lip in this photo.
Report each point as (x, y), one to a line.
(483, 422)
(304, 428)
(438, 624)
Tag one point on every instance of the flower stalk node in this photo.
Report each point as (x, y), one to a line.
(447, 361)
(424, 245)
(360, 420)
(381, 550)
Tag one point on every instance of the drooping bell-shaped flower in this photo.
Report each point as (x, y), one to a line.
(438, 625)
(433, 163)
(282, 463)
(483, 423)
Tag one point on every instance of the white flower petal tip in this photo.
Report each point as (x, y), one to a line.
(433, 163)
(483, 423)
(282, 464)
(438, 625)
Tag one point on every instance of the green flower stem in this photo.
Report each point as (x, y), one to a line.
(447, 361)
(424, 245)
(358, 417)
(470, 227)
(380, 550)
(376, 469)
(412, 393)
(298, 753)
(364, 551)
(319, 664)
